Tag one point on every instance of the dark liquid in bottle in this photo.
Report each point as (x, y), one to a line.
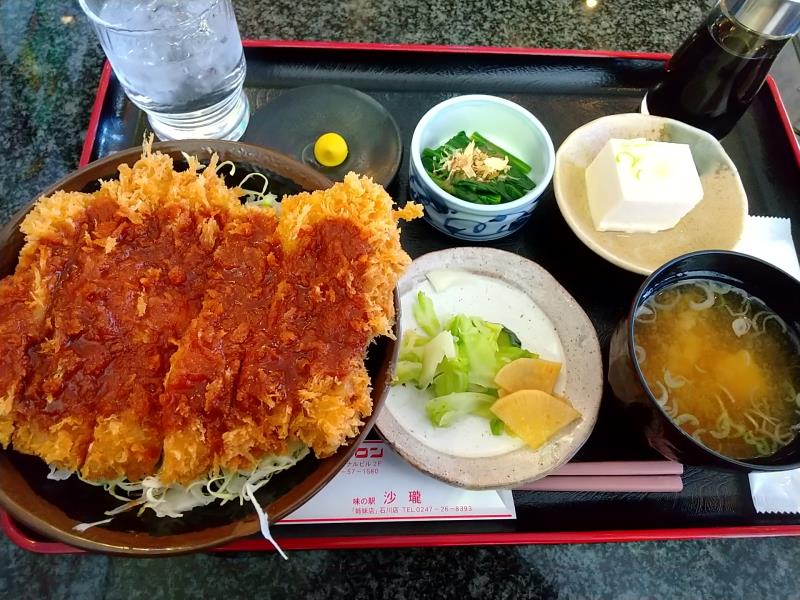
(714, 75)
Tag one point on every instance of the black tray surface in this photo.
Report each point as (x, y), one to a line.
(564, 92)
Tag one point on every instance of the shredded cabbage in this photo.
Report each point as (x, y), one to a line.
(262, 198)
(57, 474)
(250, 494)
(81, 527)
(173, 500)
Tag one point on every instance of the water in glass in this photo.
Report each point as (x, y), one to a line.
(179, 60)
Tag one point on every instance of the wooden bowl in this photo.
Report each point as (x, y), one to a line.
(53, 508)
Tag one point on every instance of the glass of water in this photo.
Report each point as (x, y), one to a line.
(181, 61)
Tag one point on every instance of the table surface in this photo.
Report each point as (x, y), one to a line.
(49, 66)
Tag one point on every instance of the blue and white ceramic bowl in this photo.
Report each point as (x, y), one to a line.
(506, 124)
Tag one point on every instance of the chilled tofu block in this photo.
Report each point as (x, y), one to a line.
(641, 186)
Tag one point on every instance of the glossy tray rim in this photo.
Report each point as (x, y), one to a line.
(24, 541)
(105, 76)
(255, 544)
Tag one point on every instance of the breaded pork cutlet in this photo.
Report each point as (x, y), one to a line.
(201, 383)
(163, 271)
(343, 262)
(277, 353)
(136, 283)
(158, 327)
(52, 230)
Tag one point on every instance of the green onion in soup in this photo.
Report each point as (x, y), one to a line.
(722, 365)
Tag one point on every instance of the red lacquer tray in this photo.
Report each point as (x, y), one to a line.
(565, 89)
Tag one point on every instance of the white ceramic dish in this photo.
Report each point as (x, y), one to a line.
(716, 223)
(500, 463)
(506, 124)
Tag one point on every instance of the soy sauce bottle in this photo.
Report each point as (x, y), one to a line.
(717, 72)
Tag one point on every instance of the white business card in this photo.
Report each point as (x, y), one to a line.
(378, 485)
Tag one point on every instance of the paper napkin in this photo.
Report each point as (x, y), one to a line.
(770, 239)
(776, 492)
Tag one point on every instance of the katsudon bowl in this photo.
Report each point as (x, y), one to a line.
(54, 508)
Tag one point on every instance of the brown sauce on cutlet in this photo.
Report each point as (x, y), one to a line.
(272, 323)
(116, 320)
(314, 325)
(26, 317)
(201, 333)
(205, 371)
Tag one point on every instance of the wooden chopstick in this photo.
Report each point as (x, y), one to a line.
(626, 467)
(609, 483)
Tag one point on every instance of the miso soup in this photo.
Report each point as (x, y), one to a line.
(723, 365)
